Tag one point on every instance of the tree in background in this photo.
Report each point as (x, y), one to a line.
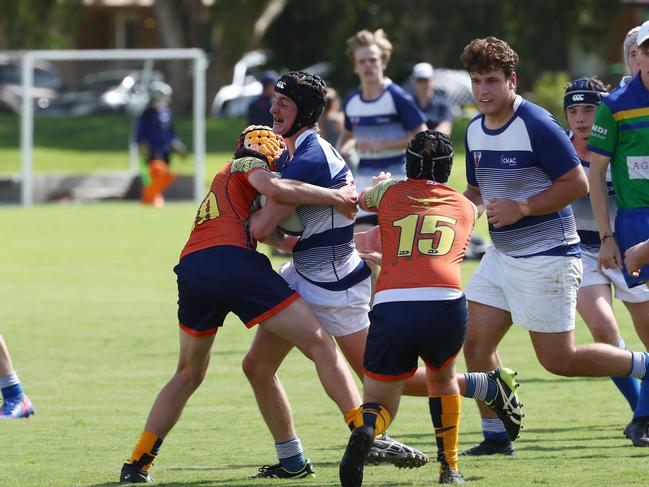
(541, 31)
(302, 33)
(38, 24)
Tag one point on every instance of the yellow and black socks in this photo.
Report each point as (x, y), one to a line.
(369, 414)
(145, 451)
(445, 413)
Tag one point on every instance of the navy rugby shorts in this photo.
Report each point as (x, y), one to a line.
(632, 227)
(401, 332)
(214, 281)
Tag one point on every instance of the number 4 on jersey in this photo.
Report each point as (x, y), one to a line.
(208, 210)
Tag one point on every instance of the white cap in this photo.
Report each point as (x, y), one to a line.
(422, 71)
(643, 35)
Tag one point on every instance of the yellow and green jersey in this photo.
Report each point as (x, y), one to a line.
(621, 132)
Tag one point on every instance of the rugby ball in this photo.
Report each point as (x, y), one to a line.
(292, 225)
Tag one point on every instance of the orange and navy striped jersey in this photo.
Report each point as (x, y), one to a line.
(425, 230)
(222, 218)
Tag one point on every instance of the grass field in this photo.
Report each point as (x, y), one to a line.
(88, 311)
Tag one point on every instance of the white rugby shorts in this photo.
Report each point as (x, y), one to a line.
(540, 292)
(340, 312)
(593, 276)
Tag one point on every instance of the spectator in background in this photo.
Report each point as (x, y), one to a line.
(630, 55)
(332, 121)
(156, 137)
(259, 108)
(380, 117)
(15, 404)
(434, 104)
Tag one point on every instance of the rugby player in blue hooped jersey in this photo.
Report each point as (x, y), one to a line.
(380, 117)
(329, 274)
(326, 270)
(523, 170)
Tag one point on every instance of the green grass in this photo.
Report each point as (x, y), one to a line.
(87, 300)
(100, 143)
(88, 311)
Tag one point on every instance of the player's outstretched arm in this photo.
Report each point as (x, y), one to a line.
(563, 191)
(637, 256)
(346, 142)
(265, 221)
(369, 244)
(293, 192)
(609, 253)
(473, 194)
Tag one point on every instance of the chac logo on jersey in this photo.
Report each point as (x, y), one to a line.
(476, 158)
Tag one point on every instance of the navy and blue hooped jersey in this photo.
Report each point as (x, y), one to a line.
(517, 161)
(393, 115)
(325, 254)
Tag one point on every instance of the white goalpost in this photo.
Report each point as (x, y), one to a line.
(199, 64)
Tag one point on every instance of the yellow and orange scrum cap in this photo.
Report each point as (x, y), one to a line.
(261, 140)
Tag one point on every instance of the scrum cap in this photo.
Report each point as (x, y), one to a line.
(308, 92)
(584, 91)
(429, 156)
(261, 142)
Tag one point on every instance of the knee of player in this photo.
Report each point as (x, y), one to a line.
(473, 348)
(192, 377)
(557, 364)
(254, 369)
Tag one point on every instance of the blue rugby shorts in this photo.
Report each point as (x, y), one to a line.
(401, 332)
(632, 227)
(217, 280)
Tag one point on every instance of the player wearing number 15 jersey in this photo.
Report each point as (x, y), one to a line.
(419, 309)
(220, 272)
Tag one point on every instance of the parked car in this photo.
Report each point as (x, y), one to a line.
(46, 87)
(232, 100)
(456, 86)
(116, 91)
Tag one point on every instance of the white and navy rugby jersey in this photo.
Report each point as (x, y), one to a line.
(394, 114)
(585, 218)
(518, 161)
(325, 254)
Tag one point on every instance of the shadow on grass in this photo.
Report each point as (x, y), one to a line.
(253, 483)
(559, 380)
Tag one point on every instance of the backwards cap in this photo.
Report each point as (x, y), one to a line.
(308, 92)
(584, 91)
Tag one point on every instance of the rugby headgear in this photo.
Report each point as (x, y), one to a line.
(429, 156)
(584, 91)
(308, 92)
(261, 142)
